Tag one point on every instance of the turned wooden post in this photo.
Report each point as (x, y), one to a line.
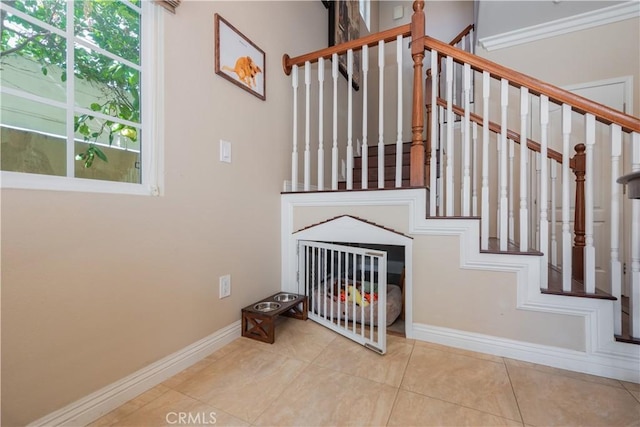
(417, 169)
(579, 169)
(428, 93)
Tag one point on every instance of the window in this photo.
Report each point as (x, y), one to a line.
(365, 12)
(76, 97)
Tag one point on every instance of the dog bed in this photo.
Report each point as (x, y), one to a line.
(344, 309)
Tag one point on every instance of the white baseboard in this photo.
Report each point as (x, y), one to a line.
(103, 401)
(626, 369)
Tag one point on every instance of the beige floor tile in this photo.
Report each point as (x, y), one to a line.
(547, 399)
(413, 409)
(564, 372)
(630, 386)
(469, 353)
(243, 383)
(131, 406)
(187, 373)
(299, 339)
(240, 343)
(173, 408)
(324, 397)
(468, 381)
(352, 358)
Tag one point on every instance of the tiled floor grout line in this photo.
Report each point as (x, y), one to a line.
(284, 390)
(513, 390)
(404, 372)
(395, 401)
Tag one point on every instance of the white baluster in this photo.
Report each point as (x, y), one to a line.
(533, 194)
(544, 180)
(334, 149)
(567, 261)
(511, 223)
(441, 158)
(504, 103)
(524, 169)
(381, 114)
(400, 102)
(484, 221)
(435, 142)
(350, 120)
(307, 126)
(454, 66)
(294, 153)
(450, 183)
(320, 124)
(554, 242)
(474, 183)
(616, 265)
(365, 148)
(589, 250)
(466, 171)
(536, 210)
(634, 299)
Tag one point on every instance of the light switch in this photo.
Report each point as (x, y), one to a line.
(225, 151)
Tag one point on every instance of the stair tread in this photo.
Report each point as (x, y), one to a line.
(554, 287)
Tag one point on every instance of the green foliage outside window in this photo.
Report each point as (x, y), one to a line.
(108, 24)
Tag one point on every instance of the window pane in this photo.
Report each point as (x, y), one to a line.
(110, 25)
(121, 165)
(31, 136)
(52, 12)
(33, 59)
(106, 85)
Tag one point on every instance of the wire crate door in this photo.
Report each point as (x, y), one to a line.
(347, 290)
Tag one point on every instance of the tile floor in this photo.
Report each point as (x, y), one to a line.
(313, 377)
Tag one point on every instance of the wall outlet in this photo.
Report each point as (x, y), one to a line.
(225, 286)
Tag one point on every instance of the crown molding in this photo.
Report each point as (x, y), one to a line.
(594, 18)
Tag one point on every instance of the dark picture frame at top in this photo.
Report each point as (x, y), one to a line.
(344, 25)
(238, 59)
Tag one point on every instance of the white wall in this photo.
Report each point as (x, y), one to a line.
(97, 286)
(497, 17)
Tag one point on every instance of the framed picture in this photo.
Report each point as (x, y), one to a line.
(238, 59)
(344, 25)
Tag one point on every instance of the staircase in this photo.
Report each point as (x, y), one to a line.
(498, 168)
(389, 171)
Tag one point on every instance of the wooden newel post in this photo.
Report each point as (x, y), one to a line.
(417, 169)
(579, 169)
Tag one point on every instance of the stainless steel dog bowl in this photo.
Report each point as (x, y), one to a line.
(285, 297)
(266, 306)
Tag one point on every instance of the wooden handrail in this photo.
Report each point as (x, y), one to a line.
(459, 37)
(579, 104)
(496, 128)
(326, 53)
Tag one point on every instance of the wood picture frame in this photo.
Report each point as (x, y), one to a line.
(344, 25)
(238, 59)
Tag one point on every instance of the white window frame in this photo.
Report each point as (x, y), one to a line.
(152, 109)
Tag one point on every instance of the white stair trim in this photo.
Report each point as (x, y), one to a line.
(622, 368)
(612, 358)
(583, 21)
(103, 401)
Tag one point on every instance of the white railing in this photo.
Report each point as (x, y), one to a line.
(544, 218)
(340, 98)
